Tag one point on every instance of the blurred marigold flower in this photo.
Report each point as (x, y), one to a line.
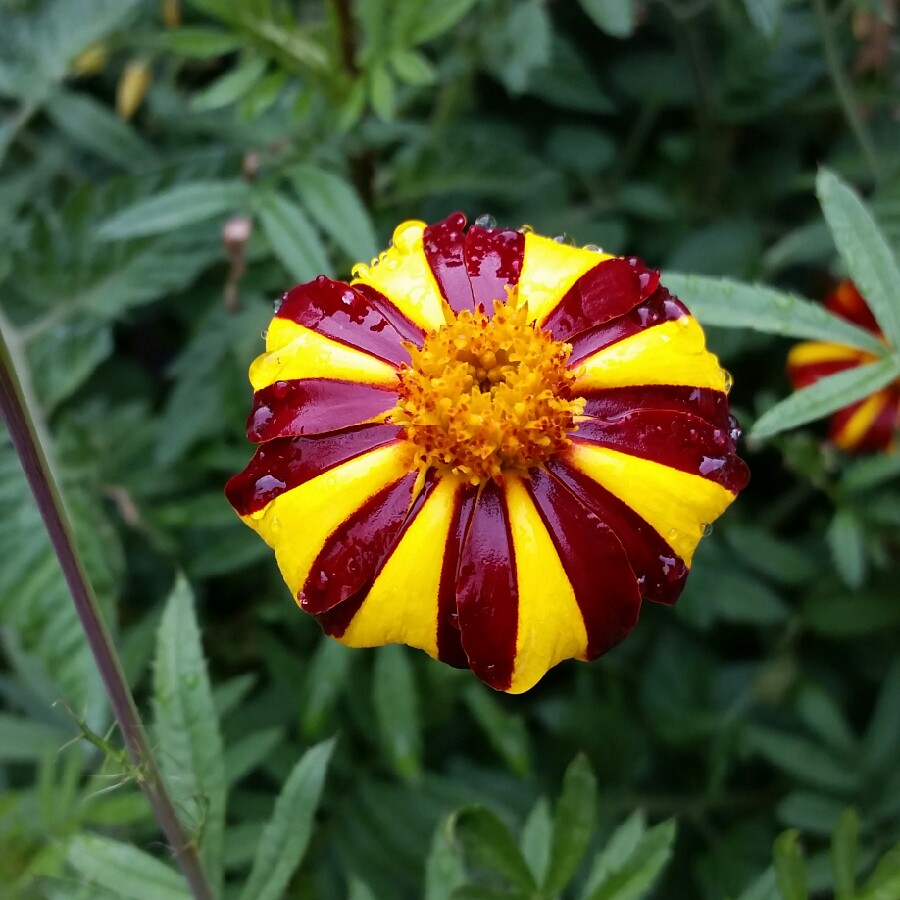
(868, 424)
(489, 445)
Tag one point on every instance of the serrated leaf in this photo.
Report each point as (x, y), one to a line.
(286, 836)
(189, 744)
(864, 250)
(806, 760)
(615, 17)
(396, 704)
(790, 867)
(124, 870)
(848, 547)
(176, 207)
(92, 126)
(293, 238)
(826, 396)
(844, 849)
(487, 844)
(765, 14)
(730, 304)
(338, 210)
(573, 824)
(639, 871)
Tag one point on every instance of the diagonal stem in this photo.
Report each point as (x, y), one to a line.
(28, 445)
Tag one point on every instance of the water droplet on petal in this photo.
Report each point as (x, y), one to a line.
(276, 304)
(526, 229)
(486, 221)
(729, 380)
(564, 238)
(734, 430)
(707, 529)
(264, 334)
(593, 248)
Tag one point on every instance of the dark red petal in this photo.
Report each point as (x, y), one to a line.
(678, 440)
(880, 434)
(611, 289)
(804, 375)
(707, 403)
(444, 245)
(285, 463)
(659, 308)
(847, 302)
(402, 324)
(660, 572)
(494, 262)
(343, 314)
(606, 588)
(487, 590)
(357, 547)
(314, 406)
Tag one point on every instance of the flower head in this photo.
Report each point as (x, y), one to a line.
(489, 445)
(868, 424)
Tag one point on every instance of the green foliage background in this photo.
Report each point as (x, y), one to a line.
(688, 132)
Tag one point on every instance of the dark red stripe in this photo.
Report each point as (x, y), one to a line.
(609, 604)
(357, 548)
(678, 440)
(314, 406)
(404, 326)
(805, 374)
(847, 302)
(610, 290)
(444, 245)
(336, 621)
(343, 314)
(494, 262)
(655, 310)
(676, 398)
(487, 592)
(660, 572)
(880, 434)
(449, 641)
(285, 463)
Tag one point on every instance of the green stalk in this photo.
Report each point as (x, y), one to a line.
(29, 446)
(844, 91)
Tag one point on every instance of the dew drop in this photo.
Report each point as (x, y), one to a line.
(564, 238)
(710, 464)
(734, 430)
(673, 533)
(592, 248)
(406, 235)
(360, 270)
(264, 334)
(486, 221)
(526, 229)
(729, 380)
(276, 304)
(707, 529)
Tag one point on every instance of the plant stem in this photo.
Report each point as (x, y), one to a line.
(28, 445)
(844, 91)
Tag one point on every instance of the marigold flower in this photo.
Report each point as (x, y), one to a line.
(870, 423)
(489, 445)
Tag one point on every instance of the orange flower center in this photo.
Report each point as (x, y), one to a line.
(484, 395)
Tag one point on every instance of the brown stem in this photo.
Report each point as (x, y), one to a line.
(347, 35)
(46, 493)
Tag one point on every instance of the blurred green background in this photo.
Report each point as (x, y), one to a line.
(169, 169)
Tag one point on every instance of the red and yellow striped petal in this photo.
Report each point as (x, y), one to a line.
(847, 302)
(869, 424)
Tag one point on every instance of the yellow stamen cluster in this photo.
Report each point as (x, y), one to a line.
(486, 394)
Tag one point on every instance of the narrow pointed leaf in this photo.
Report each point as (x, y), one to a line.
(286, 836)
(397, 710)
(637, 874)
(790, 867)
(826, 396)
(573, 824)
(487, 844)
(293, 238)
(844, 848)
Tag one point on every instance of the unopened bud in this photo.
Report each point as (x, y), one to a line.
(236, 232)
(132, 88)
(171, 13)
(250, 166)
(90, 61)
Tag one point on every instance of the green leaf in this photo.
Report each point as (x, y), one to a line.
(619, 847)
(634, 877)
(244, 755)
(615, 17)
(848, 547)
(844, 848)
(327, 677)
(506, 731)
(765, 14)
(851, 616)
(790, 867)
(826, 396)
(92, 126)
(487, 844)
(881, 743)
(397, 710)
(865, 474)
(184, 204)
(444, 870)
(285, 838)
(884, 882)
(806, 760)
(573, 824)
(413, 68)
(123, 869)
(337, 209)
(198, 43)
(865, 252)
(293, 238)
(437, 17)
(729, 304)
(381, 93)
(187, 728)
(520, 45)
(537, 838)
(231, 86)
(764, 888)
(22, 740)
